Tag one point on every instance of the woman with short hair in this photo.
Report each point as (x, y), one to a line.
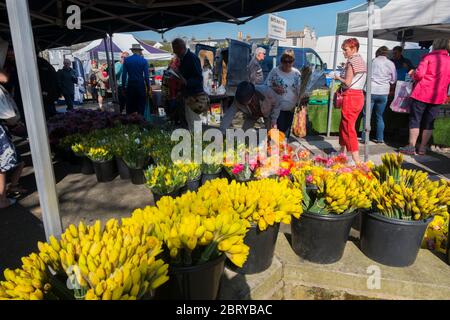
(432, 78)
(353, 79)
(285, 80)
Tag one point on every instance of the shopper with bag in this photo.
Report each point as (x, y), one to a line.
(432, 78)
(196, 101)
(384, 75)
(285, 80)
(353, 79)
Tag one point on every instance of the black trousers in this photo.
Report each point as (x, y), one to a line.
(135, 100)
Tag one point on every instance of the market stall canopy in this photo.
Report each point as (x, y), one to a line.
(121, 42)
(399, 20)
(113, 16)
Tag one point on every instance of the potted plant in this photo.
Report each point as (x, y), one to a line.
(164, 181)
(404, 203)
(198, 236)
(193, 174)
(136, 156)
(264, 204)
(80, 148)
(104, 164)
(211, 167)
(329, 207)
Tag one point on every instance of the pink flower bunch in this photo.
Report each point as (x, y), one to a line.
(238, 168)
(283, 172)
(309, 179)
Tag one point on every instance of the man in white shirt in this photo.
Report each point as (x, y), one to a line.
(384, 75)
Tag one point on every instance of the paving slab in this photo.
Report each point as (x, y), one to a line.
(261, 286)
(427, 278)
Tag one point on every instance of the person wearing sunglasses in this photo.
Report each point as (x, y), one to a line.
(254, 102)
(285, 80)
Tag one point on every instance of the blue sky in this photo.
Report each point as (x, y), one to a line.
(322, 18)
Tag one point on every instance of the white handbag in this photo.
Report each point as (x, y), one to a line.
(8, 108)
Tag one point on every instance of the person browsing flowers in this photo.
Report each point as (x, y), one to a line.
(285, 81)
(353, 79)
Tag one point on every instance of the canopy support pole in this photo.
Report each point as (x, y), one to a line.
(25, 54)
(108, 60)
(369, 78)
(113, 69)
(330, 101)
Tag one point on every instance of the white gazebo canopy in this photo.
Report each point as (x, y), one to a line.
(398, 20)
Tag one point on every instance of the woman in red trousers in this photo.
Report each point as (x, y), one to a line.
(353, 79)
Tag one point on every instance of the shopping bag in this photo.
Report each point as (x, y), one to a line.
(401, 102)
(299, 124)
(147, 111)
(8, 108)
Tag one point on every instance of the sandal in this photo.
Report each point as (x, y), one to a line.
(16, 189)
(10, 203)
(422, 152)
(410, 150)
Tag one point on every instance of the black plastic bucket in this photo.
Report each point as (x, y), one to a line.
(391, 242)
(122, 167)
(200, 282)
(207, 177)
(192, 185)
(321, 238)
(137, 176)
(105, 171)
(262, 248)
(86, 165)
(448, 249)
(157, 197)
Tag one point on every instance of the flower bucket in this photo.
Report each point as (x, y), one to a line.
(391, 242)
(157, 197)
(105, 171)
(137, 176)
(321, 238)
(209, 176)
(199, 282)
(192, 185)
(124, 172)
(262, 248)
(448, 249)
(86, 165)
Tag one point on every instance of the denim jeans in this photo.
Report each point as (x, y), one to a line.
(378, 104)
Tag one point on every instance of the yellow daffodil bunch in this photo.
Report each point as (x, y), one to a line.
(78, 148)
(412, 197)
(99, 154)
(194, 231)
(30, 282)
(117, 262)
(162, 179)
(190, 169)
(436, 235)
(332, 192)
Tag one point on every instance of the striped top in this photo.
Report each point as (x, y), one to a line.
(358, 64)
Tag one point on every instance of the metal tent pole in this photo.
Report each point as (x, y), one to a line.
(108, 61)
(369, 77)
(330, 104)
(113, 69)
(25, 54)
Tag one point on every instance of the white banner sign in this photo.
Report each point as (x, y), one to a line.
(277, 27)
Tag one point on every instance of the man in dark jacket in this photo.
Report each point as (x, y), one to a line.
(49, 86)
(136, 79)
(190, 73)
(66, 80)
